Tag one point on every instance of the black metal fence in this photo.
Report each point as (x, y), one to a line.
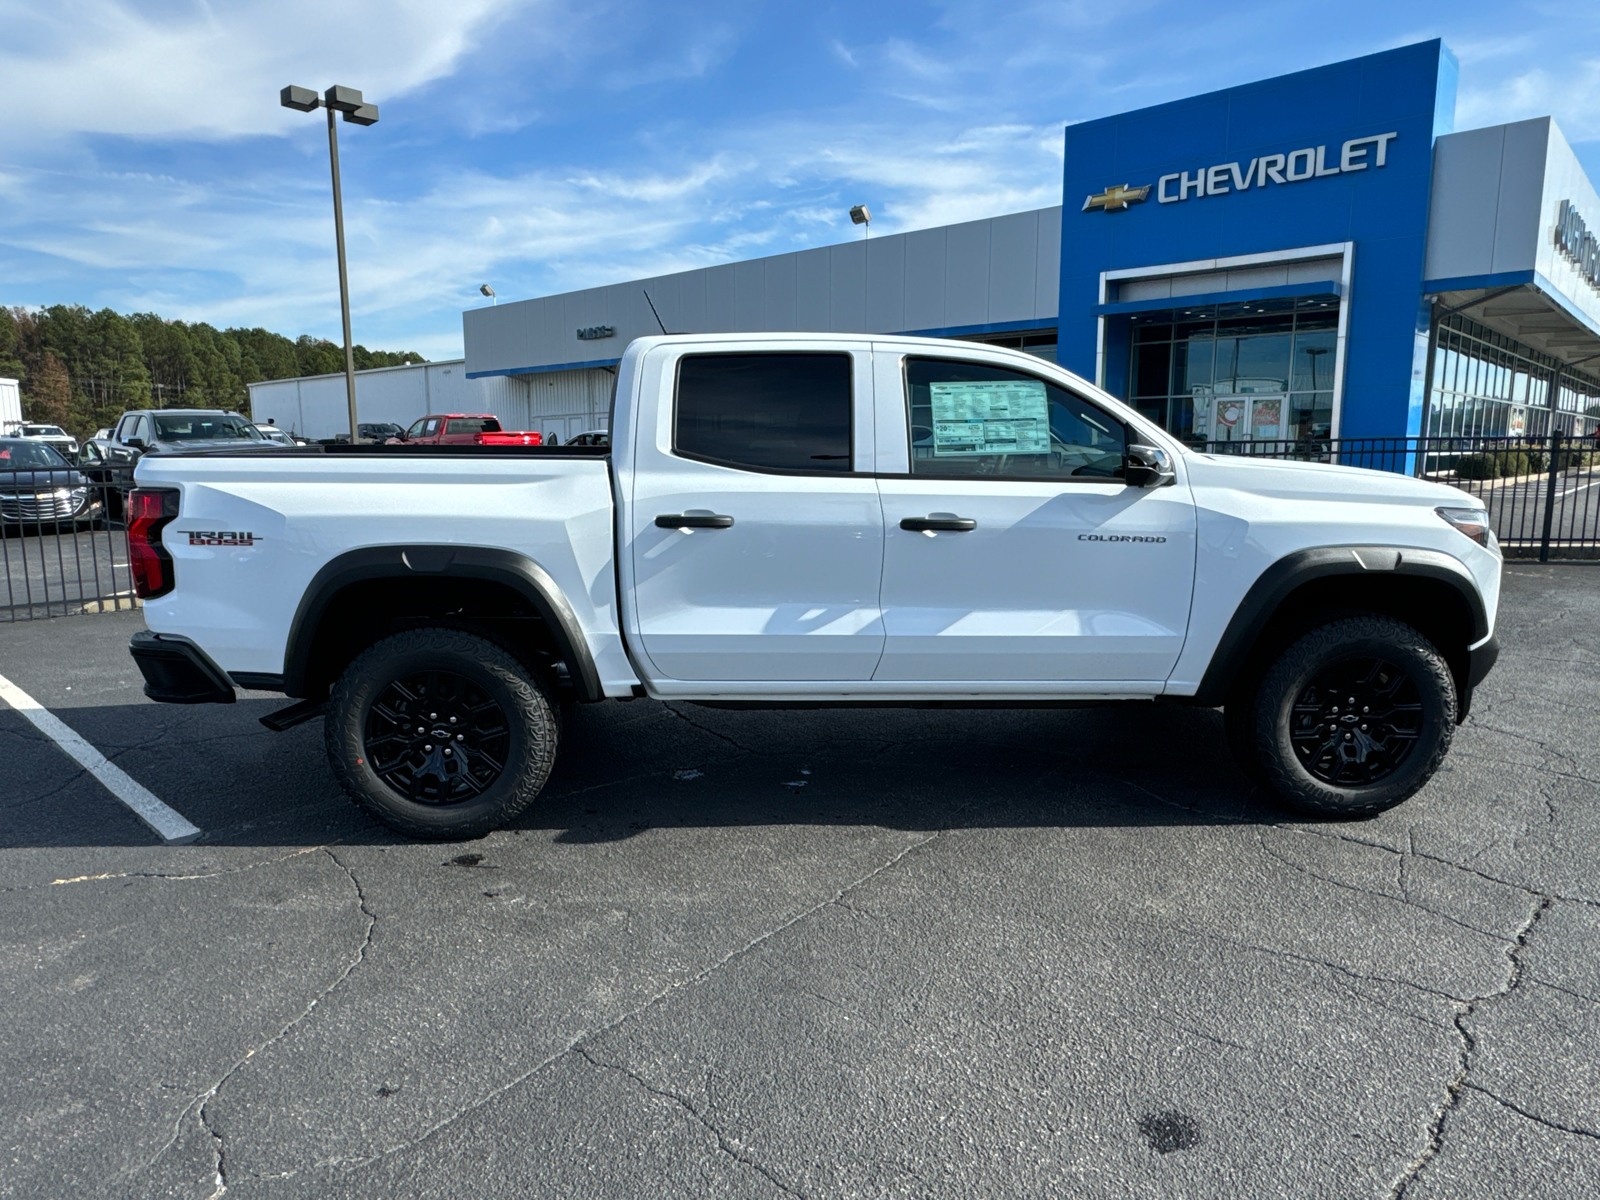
(64, 547)
(63, 544)
(1542, 493)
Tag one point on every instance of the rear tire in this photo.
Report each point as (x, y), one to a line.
(440, 734)
(1353, 718)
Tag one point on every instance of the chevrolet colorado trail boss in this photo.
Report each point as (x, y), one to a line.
(806, 520)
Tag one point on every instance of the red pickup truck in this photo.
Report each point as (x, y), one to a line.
(463, 429)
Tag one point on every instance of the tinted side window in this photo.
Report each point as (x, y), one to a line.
(972, 419)
(787, 412)
(473, 425)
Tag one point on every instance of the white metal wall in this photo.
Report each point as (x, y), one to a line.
(10, 405)
(1000, 270)
(563, 403)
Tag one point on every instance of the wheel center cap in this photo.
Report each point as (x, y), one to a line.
(441, 735)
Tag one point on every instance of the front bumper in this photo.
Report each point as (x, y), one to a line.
(1482, 660)
(176, 671)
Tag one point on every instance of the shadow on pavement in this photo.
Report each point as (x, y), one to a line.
(625, 768)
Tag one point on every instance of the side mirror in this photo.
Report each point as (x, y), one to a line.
(134, 443)
(1147, 467)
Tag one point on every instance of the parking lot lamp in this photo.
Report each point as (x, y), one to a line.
(348, 103)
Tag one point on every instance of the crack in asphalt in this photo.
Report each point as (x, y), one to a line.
(1446, 862)
(1457, 1085)
(1404, 899)
(665, 993)
(1350, 972)
(683, 716)
(732, 1149)
(197, 1106)
(1575, 1130)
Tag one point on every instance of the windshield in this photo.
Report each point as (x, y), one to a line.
(204, 427)
(28, 456)
(42, 431)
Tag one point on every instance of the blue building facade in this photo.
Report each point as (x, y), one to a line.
(1250, 263)
(1308, 257)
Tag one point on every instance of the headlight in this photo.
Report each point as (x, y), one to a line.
(79, 495)
(1474, 522)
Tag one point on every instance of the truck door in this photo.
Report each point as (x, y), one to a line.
(1013, 550)
(754, 532)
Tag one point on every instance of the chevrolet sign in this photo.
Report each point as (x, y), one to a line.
(1311, 162)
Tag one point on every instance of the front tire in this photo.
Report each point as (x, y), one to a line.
(1353, 718)
(440, 734)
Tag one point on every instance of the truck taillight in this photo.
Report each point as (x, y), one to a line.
(149, 510)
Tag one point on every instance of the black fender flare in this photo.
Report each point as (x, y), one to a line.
(1275, 584)
(516, 571)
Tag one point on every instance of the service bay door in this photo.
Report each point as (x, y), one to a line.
(1013, 551)
(757, 547)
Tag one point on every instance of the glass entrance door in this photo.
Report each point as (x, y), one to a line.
(1244, 417)
(1251, 371)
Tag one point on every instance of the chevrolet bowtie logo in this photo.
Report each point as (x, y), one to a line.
(1116, 199)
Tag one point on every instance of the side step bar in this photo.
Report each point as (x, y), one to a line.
(295, 714)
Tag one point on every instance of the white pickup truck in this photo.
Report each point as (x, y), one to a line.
(815, 519)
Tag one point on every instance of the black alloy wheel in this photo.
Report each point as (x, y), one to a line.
(437, 738)
(1353, 717)
(1356, 722)
(441, 733)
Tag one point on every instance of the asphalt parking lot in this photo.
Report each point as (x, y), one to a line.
(884, 953)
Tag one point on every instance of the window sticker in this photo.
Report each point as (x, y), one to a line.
(1009, 416)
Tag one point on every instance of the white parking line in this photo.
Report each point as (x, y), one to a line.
(167, 822)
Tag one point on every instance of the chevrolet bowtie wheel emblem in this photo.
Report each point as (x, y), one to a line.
(1117, 199)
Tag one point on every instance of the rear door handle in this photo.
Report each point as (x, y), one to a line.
(693, 521)
(941, 524)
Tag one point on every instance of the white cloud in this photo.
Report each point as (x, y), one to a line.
(1571, 94)
(214, 70)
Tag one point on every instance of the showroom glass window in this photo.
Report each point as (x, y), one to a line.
(971, 419)
(1259, 371)
(771, 412)
(1486, 384)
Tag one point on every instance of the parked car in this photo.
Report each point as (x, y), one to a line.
(108, 466)
(464, 429)
(169, 429)
(273, 434)
(53, 436)
(371, 433)
(591, 437)
(39, 489)
(764, 532)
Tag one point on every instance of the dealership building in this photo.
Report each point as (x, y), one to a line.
(1315, 255)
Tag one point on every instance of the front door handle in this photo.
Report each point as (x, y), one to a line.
(693, 521)
(940, 524)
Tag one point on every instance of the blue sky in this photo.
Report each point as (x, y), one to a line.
(145, 163)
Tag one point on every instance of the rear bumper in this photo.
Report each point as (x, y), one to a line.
(176, 671)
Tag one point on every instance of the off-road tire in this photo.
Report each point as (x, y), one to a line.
(1351, 640)
(531, 737)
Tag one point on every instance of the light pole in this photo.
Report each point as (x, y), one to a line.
(348, 102)
(862, 215)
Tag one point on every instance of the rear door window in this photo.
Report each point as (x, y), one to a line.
(971, 419)
(765, 411)
(473, 425)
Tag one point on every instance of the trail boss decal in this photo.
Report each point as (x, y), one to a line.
(220, 537)
(1117, 537)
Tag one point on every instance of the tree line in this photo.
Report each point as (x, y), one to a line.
(81, 369)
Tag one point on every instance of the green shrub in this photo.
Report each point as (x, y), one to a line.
(1477, 466)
